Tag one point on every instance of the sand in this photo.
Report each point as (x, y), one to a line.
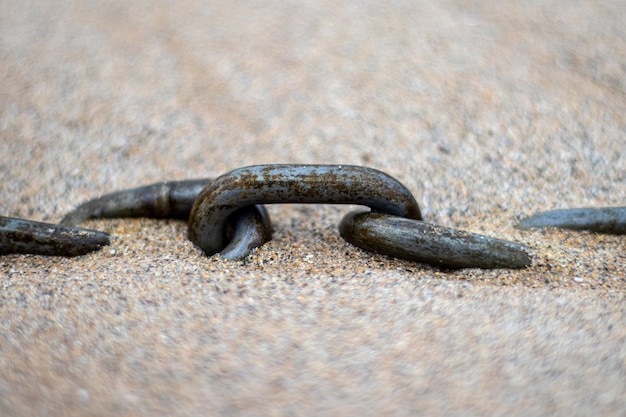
(487, 112)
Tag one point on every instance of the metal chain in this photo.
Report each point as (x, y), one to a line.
(38, 238)
(226, 216)
(609, 220)
(429, 243)
(394, 226)
(175, 199)
(267, 184)
(172, 199)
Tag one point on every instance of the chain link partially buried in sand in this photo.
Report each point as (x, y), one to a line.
(226, 215)
(608, 220)
(38, 238)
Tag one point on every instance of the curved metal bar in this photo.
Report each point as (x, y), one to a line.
(38, 238)
(252, 229)
(266, 184)
(609, 220)
(428, 243)
(174, 199)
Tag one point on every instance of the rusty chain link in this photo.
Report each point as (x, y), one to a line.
(267, 184)
(226, 216)
(38, 238)
(609, 220)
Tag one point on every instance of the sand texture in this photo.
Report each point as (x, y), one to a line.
(487, 111)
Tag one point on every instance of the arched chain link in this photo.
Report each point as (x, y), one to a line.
(227, 216)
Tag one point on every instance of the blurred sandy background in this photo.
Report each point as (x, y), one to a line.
(486, 111)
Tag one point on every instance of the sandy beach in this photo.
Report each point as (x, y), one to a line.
(487, 112)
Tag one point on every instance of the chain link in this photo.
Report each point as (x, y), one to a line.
(227, 216)
(268, 184)
(172, 199)
(38, 238)
(175, 199)
(609, 220)
(429, 243)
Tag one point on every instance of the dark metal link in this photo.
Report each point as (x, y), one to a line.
(609, 220)
(251, 227)
(267, 184)
(225, 215)
(172, 199)
(428, 243)
(38, 238)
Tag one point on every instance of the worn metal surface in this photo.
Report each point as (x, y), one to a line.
(428, 243)
(38, 238)
(225, 215)
(609, 220)
(174, 199)
(267, 184)
(250, 229)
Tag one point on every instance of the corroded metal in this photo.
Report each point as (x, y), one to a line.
(174, 199)
(225, 215)
(38, 238)
(428, 243)
(267, 184)
(609, 220)
(252, 228)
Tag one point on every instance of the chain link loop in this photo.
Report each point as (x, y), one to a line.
(268, 184)
(226, 216)
(174, 199)
(609, 220)
(429, 243)
(38, 238)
